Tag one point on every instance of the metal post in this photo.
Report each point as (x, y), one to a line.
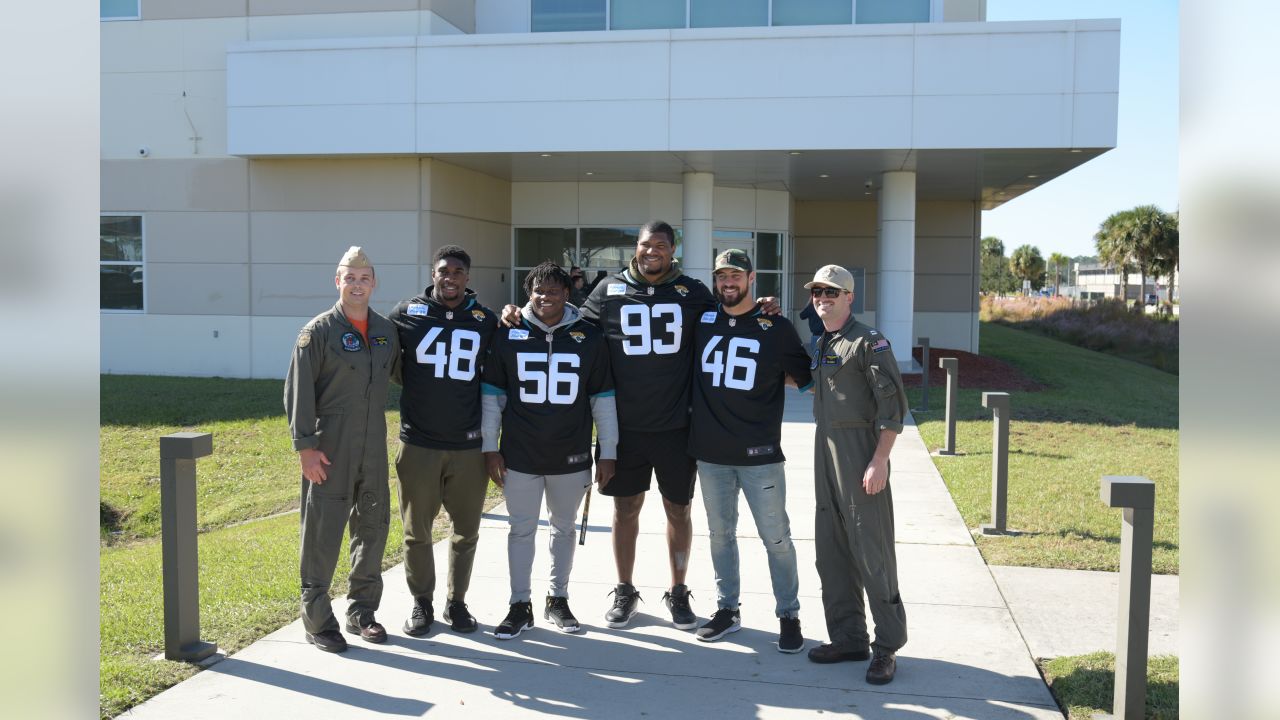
(178, 453)
(999, 404)
(952, 366)
(924, 381)
(1136, 495)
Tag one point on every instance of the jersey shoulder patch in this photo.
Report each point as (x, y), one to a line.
(616, 289)
(417, 310)
(709, 317)
(518, 334)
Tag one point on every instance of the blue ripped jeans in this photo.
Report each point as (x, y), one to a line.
(765, 487)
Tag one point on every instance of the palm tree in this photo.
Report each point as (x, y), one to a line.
(1058, 261)
(1115, 243)
(1166, 262)
(1026, 263)
(992, 246)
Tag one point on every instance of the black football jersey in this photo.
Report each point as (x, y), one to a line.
(741, 364)
(649, 329)
(443, 350)
(549, 380)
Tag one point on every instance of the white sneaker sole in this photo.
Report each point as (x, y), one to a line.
(712, 638)
(513, 634)
(623, 622)
(686, 626)
(790, 652)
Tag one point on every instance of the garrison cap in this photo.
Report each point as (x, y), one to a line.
(832, 276)
(355, 258)
(733, 259)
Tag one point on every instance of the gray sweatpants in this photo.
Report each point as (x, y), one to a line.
(524, 504)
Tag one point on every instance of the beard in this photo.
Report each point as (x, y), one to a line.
(738, 294)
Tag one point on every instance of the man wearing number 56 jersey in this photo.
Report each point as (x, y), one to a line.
(544, 384)
(444, 334)
(743, 361)
(647, 312)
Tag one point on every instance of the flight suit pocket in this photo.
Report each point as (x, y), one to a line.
(883, 382)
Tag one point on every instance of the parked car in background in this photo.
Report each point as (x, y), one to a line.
(1152, 299)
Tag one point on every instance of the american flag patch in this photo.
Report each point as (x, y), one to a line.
(880, 345)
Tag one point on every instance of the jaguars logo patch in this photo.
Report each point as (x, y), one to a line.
(578, 336)
(684, 291)
(478, 315)
(765, 323)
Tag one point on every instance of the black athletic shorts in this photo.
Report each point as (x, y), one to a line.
(644, 454)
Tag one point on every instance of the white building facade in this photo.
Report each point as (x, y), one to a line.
(246, 144)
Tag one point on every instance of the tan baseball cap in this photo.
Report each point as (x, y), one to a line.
(355, 258)
(832, 276)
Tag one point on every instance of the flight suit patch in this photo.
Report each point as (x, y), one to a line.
(830, 359)
(880, 346)
(379, 340)
(304, 338)
(351, 342)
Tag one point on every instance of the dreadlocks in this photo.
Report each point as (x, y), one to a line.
(544, 272)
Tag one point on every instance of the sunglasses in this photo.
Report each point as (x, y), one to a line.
(829, 292)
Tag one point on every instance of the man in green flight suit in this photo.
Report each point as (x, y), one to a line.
(858, 407)
(335, 395)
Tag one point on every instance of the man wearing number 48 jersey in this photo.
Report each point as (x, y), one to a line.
(544, 383)
(743, 360)
(444, 334)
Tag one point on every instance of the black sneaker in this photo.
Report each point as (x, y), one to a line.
(459, 618)
(626, 603)
(790, 639)
(558, 612)
(677, 601)
(519, 619)
(420, 619)
(722, 623)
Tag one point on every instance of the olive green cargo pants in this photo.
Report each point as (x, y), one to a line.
(328, 509)
(854, 539)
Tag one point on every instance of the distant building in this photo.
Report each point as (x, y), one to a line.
(1095, 281)
(245, 145)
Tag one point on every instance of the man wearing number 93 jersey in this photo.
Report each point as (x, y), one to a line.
(444, 334)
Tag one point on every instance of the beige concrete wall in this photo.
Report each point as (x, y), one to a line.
(946, 290)
(473, 210)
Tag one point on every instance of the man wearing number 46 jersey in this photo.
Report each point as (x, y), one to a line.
(743, 360)
(444, 334)
(544, 383)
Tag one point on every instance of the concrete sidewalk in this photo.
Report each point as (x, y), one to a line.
(965, 659)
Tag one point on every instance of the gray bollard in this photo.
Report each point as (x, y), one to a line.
(952, 366)
(999, 404)
(924, 381)
(178, 453)
(1137, 496)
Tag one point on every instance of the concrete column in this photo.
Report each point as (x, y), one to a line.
(181, 568)
(699, 199)
(896, 279)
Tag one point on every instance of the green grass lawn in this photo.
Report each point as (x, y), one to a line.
(248, 560)
(1084, 685)
(1100, 415)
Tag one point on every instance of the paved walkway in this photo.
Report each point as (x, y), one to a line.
(966, 657)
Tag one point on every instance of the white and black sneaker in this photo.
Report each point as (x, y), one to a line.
(519, 619)
(558, 612)
(790, 639)
(725, 621)
(626, 603)
(677, 601)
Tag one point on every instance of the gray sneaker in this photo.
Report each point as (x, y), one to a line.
(677, 601)
(558, 612)
(626, 603)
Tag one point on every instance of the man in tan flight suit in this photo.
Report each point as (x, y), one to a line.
(859, 404)
(335, 396)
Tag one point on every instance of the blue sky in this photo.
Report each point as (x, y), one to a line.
(1062, 215)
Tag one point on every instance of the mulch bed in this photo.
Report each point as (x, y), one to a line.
(977, 372)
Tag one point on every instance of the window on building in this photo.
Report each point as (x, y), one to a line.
(566, 15)
(119, 9)
(728, 13)
(768, 264)
(892, 11)
(646, 14)
(591, 248)
(812, 12)
(121, 262)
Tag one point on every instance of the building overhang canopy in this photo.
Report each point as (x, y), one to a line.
(981, 111)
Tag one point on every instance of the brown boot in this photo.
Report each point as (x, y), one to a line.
(827, 653)
(882, 668)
